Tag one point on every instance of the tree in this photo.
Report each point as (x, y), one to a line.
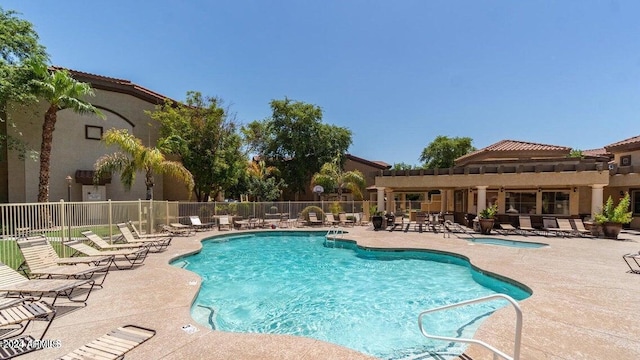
(19, 48)
(61, 91)
(332, 177)
(295, 140)
(205, 138)
(576, 153)
(134, 157)
(403, 166)
(442, 151)
(263, 184)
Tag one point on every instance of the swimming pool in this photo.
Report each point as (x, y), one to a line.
(505, 242)
(367, 300)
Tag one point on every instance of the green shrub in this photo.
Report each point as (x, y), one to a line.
(335, 208)
(305, 212)
(620, 214)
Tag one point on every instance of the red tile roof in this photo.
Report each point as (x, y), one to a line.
(374, 163)
(595, 152)
(116, 85)
(633, 142)
(511, 147)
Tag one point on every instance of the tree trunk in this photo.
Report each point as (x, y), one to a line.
(149, 182)
(48, 127)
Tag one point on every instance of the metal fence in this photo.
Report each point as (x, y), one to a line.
(62, 221)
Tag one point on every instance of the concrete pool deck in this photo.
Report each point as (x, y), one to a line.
(585, 305)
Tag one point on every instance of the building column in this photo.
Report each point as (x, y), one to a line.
(443, 201)
(482, 198)
(597, 198)
(391, 202)
(380, 199)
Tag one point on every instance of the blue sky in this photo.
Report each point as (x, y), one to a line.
(396, 73)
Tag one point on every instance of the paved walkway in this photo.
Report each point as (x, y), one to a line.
(585, 305)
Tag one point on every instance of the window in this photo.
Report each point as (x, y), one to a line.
(555, 202)
(93, 132)
(625, 160)
(520, 202)
(635, 202)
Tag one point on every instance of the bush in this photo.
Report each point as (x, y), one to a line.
(335, 208)
(620, 214)
(305, 212)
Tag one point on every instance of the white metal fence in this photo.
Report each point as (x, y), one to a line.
(60, 221)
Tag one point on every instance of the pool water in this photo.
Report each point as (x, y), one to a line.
(504, 242)
(290, 283)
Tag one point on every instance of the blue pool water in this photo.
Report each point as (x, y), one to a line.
(290, 283)
(505, 242)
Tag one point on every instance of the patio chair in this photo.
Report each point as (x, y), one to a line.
(313, 219)
(223, 223)
(130, 257)
(45, 250)
(507, 228)
(198, 225)
(13, 284)
(565, 226)
(113, 345)
(578, 226)
(525, 225)
(550, 226)
(15, 317)
(178, 229)
(398, 221)
(632, 258)
(138, 235)
(344, 221)
(329, 219)
(159, 244)
(101, 244)
(421, 222)
(42, 265)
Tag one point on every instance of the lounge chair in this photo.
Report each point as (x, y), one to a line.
(15, 317)
(344, 221)
(113, 345)
(44, 250)
(507, 228)
(42, 265)
(178, 229)
(158, 244)
(525, 225)
(330, 220)
(550, 226)
(398, 221)
(565, 226)
(313, 219)
(421, 222)
(138, 235)
(223, 223)
(131, 257)
(101, 244)
(632, 258)
(578, 226)
(198, 225)
(13, 284)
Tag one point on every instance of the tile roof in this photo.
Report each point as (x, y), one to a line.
(375, 163)
(117, 85)
(630, 142)
(595, 152)
(506, 147)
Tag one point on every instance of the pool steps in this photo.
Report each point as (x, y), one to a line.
(496, 353)
(332, 234)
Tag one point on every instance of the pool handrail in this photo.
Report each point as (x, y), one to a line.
(335, 231)
(496, 352)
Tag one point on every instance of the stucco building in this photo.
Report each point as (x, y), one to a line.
(523, 178)
(77, 145)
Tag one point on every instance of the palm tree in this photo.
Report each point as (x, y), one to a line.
(331, 176)
(61, 91)
(134, 157)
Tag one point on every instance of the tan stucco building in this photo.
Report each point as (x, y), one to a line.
(77, 145)
(523, 178)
